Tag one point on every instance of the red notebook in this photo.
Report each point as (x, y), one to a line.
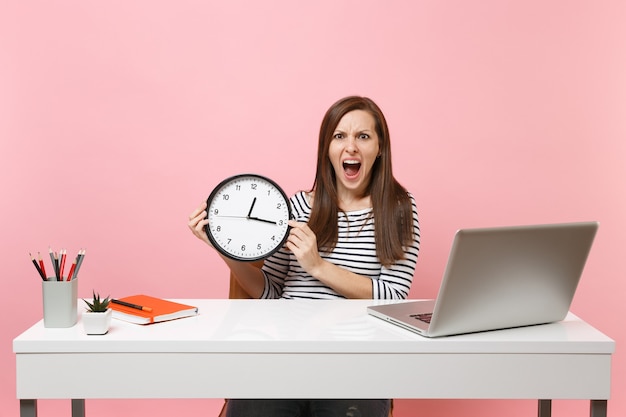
(162, 310)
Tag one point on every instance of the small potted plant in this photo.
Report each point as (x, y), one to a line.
(97, 316)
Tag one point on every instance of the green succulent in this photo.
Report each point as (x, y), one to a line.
(98, 305)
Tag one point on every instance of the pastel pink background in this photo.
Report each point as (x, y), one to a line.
(117, 118)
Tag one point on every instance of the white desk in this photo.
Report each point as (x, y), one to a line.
(310, 349)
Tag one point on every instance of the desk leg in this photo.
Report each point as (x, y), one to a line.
(545, 408)
(598, 408)
(28, 408)
(78, 408)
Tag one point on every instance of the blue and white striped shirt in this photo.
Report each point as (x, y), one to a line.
(355, 251)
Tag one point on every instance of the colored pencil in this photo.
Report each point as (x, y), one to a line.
(54, 262)
(69, 275)
(131, 305)
(41, 274)
(79, 261)
(63, 254)
(43, 268)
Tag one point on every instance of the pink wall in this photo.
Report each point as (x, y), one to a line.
(117, 118)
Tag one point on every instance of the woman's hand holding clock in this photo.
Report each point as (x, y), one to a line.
(197, 223)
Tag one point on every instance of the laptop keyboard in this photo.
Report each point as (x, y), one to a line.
(425, 317)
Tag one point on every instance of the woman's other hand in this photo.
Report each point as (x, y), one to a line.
(303, 243)
(198, 222)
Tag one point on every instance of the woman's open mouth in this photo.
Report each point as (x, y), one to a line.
(351, 168)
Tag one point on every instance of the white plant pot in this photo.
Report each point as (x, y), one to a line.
(97, 323)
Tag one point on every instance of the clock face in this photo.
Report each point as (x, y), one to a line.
(248, 217)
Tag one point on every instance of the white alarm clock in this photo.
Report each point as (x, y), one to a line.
(248, 215)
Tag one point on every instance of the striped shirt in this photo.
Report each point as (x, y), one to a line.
(355, 251)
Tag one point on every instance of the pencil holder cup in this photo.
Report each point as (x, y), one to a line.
(59, 302)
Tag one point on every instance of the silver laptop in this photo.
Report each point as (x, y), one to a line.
(499, 278)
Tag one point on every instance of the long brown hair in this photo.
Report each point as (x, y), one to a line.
(391, 204)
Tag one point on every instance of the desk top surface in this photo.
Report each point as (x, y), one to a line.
(301, 326)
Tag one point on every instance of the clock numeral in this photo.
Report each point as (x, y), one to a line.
(258, 247)
(229, 240)
(243, 248)
(225, 197)
(279, 205)
(253, 186)
(237, 187)
(218, 228)
(215, 211)
(280, 222)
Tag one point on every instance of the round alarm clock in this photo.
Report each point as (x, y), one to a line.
(248, 216)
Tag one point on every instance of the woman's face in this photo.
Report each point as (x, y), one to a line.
(352, 152)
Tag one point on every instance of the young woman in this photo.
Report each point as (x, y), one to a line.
(355, 235)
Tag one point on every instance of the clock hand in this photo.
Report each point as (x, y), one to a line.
(249, 218)
(262, 220)
(251, 207)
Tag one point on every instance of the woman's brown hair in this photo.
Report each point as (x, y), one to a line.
(391, 204)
